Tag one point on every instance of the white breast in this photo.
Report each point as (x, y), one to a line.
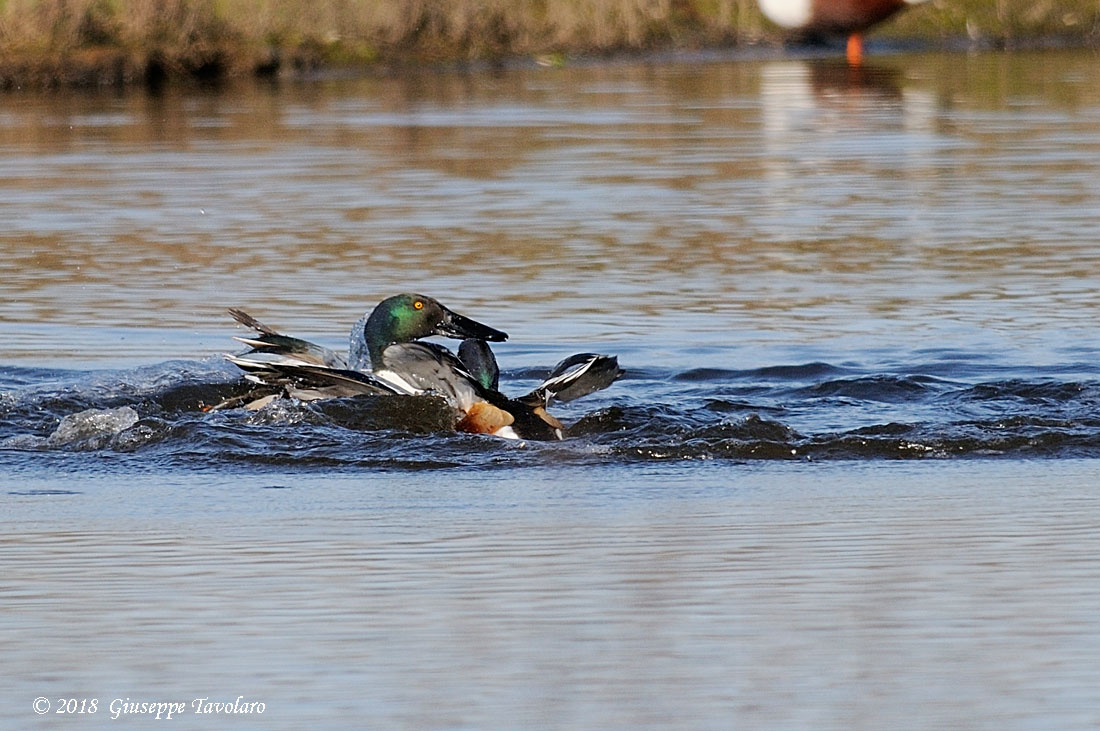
(787, 13)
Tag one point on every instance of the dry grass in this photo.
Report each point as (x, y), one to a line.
(97, 41)
(1004, 21)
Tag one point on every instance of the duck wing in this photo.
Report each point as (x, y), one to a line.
(308, 382)
(578, 375)
(418, 367)
(434, 369)
(273, 342)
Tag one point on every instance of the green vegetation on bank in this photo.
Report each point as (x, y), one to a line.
(48, 42)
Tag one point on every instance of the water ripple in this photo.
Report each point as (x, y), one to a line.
(814, 411)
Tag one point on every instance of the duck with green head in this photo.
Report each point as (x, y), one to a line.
(387, 356)
(578, 375)
(405, 318)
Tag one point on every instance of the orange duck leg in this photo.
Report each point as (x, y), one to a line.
(854, 50)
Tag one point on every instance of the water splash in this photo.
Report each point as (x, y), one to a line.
(815, 411)
(85, 430)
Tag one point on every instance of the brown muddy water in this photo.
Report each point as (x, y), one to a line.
(850, 480)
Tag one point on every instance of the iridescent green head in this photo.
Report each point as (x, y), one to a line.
(407, 317)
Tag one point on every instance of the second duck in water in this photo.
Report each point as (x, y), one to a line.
(387, 357)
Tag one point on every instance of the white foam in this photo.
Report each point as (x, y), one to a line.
(93, 425)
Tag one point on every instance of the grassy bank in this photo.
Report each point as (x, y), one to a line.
(49, 42)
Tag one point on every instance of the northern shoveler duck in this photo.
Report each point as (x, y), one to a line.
(833, 17)
(578, 375)
(387, 357)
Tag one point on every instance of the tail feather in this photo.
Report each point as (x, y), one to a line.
(249, 321)
(272, 341)
(257, 344)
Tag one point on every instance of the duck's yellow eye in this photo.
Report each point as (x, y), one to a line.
(418, 305)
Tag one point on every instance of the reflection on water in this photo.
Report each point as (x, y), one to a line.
(772, 204)
(809, 273)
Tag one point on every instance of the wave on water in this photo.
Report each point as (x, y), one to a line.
(158, 415)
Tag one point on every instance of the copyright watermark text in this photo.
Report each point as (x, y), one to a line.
(159, 710)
